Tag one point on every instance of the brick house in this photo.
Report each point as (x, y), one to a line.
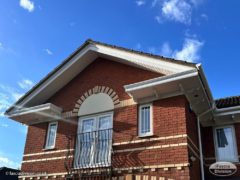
(108, 112)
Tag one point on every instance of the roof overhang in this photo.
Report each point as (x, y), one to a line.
(42, 113)
(84, 56)
(188, 83)
(224, 116)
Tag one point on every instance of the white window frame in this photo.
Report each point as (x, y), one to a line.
(48, 134)
(150, 133)
(236, 159)
(96, 118)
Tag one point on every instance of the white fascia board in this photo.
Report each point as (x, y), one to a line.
(160, 80)
(205, 82)
(227, 111)
(144, 61)
(36, 109)
(54, 76)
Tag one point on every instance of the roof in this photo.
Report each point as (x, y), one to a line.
(89, 42)
(184, 62)
(227, 102)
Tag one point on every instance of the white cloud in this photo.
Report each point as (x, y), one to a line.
(17, 95)
(4, 103)
(159, 19)
(8, 95)
(189, 34)
(6, 162)
(140, 2)
(204, 16)
(177, 10)
(166, 50)
(190, 50)
(196, 2)
(1, 47)
(155, 2)
(27, 4)
(25, 84)
(48, 51)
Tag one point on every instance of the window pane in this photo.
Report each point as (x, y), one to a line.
(148, 119)
(145, 120)
(142, 120)
(103, 142)
(87, 125)
(86, 142)
(225, 144)
(105, 122)
(51, 135)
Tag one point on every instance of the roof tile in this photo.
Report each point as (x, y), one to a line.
(227, 102)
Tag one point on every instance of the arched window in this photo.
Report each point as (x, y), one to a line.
(96, 103)
(94, 139)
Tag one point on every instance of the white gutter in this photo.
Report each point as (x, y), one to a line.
(205, 84)
(200, 149)
(227, 109)
(211, 102)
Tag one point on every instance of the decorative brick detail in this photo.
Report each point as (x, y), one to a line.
(95, 90)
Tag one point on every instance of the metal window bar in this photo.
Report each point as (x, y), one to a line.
(93, 155)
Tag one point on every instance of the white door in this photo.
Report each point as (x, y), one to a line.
(226, 144)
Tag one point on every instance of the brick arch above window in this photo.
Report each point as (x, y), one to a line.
(96, 90)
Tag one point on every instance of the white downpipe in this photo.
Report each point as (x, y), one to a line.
(200, 148)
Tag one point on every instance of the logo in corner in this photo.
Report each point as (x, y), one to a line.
(223, 168)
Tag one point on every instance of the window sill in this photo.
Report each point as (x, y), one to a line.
(49, 149)
(145, 135)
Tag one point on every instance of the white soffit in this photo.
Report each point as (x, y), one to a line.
(36, 114)
(87, 55)
(143, 61)
(223, 116)
(185, 83)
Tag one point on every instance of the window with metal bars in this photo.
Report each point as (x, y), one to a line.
(145, 126)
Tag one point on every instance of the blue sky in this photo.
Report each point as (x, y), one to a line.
(35, 36)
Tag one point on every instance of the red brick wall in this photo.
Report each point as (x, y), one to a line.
(192, 131)
(170, 118)
(36, 136)
(103, 73)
